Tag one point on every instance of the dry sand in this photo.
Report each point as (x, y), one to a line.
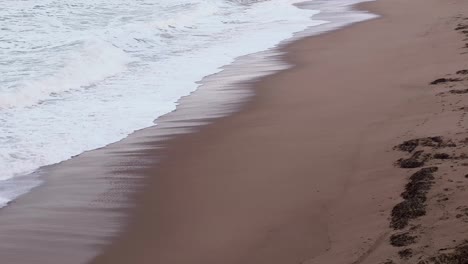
(305, 172)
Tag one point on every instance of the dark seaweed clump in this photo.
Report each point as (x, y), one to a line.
(416, 160)
(461, 27)
(445, 80)
(402, 239)
(441, 156)
(459, 255)
(415, 198)
(405, 253)
(464, 91)
(420, 183)
(463, 72)
(434, 142)
(408, 145)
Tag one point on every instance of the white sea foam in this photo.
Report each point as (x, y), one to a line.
(75, 76)
(94, 62)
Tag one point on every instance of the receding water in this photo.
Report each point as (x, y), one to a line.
(78, 75)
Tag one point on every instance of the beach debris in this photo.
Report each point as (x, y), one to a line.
(405, 211)
(405, 253)
(402, 239)
(419, 184)
(408, 145)
(414, 204)
(415, 161)
(464, 91)
(456, 255)
(433, 142)
(441, 156)
(445, 80)
(463, 211)
(461, 27)
(463, 72)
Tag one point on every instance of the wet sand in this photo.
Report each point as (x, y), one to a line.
(305, 172)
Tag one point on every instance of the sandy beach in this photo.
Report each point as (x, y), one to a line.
(306, 172)
(355, 154)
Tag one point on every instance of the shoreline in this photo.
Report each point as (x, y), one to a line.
(308, 171)
(142, 106)
(89, 193)
(305, 175)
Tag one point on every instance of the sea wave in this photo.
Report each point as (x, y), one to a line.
(95, 61)
(76, 76)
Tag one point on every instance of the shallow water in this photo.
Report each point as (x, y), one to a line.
(76, 76)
